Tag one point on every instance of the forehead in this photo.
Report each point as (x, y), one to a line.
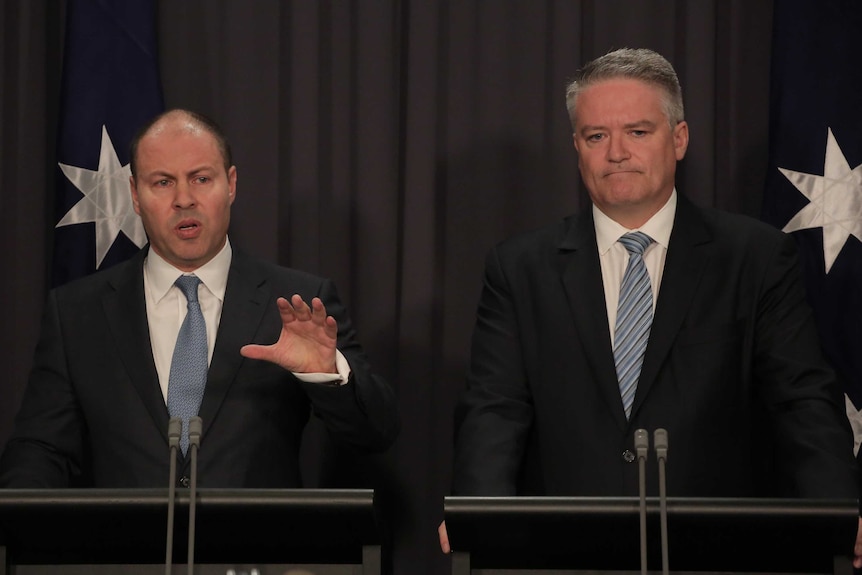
(624, 99)
(174, 144)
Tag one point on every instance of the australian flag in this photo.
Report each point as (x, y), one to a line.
(814, 183)
(110, 88)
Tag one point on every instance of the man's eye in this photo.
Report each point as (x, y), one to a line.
(639, 133)
(595, 137)
(202, 179)
(163, 183)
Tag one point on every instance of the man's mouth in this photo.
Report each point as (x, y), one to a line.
(188, 228)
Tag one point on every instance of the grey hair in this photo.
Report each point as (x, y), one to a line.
(636, 64)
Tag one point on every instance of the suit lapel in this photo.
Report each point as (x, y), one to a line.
(246, 298)
(126, 312)
(686, 260)
(582, 279)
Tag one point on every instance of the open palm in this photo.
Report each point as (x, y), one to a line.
(307, 340)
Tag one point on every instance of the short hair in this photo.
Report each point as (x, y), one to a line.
(205, 123)
(636, 64)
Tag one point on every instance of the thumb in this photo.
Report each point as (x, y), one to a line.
(255, 351)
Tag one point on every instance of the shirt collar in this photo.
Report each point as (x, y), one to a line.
(213, 274)
(658, 227)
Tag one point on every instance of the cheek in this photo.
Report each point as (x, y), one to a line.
(152, 210)
(225, 209)
(589, 170)
(142, 206)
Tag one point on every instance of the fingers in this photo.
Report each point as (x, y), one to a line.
(300, 309)
(331, 327)
(296, 309)
(318, 310)
(857, 548)
(444, 538)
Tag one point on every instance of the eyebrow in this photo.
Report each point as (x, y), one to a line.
(629, 126)
(159, 174)
(204, 168)
(156, 174)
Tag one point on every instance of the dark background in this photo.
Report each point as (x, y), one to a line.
(387, 145)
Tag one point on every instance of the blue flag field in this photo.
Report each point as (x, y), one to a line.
(110, 88)
(814, 182)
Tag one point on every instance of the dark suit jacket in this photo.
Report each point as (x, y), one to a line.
(733, 371)
(94, 408)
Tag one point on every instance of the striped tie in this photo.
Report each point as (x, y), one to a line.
(634, 318)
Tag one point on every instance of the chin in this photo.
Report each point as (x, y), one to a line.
(625, 197)
(188, 259)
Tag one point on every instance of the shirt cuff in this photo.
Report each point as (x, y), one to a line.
(339, 378)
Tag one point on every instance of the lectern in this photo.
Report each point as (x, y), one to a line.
(263, 532)
(497, 535)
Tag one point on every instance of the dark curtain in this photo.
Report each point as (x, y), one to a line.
(388, 145)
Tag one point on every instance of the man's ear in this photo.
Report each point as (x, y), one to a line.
(134, 191)
(680, 139)
(231, 182)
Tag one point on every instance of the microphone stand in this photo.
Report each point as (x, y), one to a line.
(641, 448)
(660, 441)
(175, 429)
(195, 429)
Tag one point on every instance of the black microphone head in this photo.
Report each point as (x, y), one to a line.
(175, 430)
(641, 442)
(195, 430)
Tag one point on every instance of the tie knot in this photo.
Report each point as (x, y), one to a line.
(635, 242)
(189, 286)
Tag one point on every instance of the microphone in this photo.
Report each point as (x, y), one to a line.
(175, 429)
(195, 429)
(660, 442)
(641, 448)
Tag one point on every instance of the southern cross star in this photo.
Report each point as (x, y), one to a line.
(107, 200)
(835, 201)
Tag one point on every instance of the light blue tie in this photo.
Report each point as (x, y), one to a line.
(634, 318)
(189, 364)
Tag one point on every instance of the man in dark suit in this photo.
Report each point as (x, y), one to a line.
(96, 408)
(725, 355)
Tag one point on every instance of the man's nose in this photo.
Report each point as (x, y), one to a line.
(183, 196)
(617, 149)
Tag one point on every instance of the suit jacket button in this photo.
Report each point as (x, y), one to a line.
(628, 456)
(184, 481)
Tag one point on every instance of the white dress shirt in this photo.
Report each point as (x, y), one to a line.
(167, 306)
(614, 257)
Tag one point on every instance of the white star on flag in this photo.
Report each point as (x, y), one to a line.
(835, 201)
(107, 200)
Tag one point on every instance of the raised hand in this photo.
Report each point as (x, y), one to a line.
(307, 340)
